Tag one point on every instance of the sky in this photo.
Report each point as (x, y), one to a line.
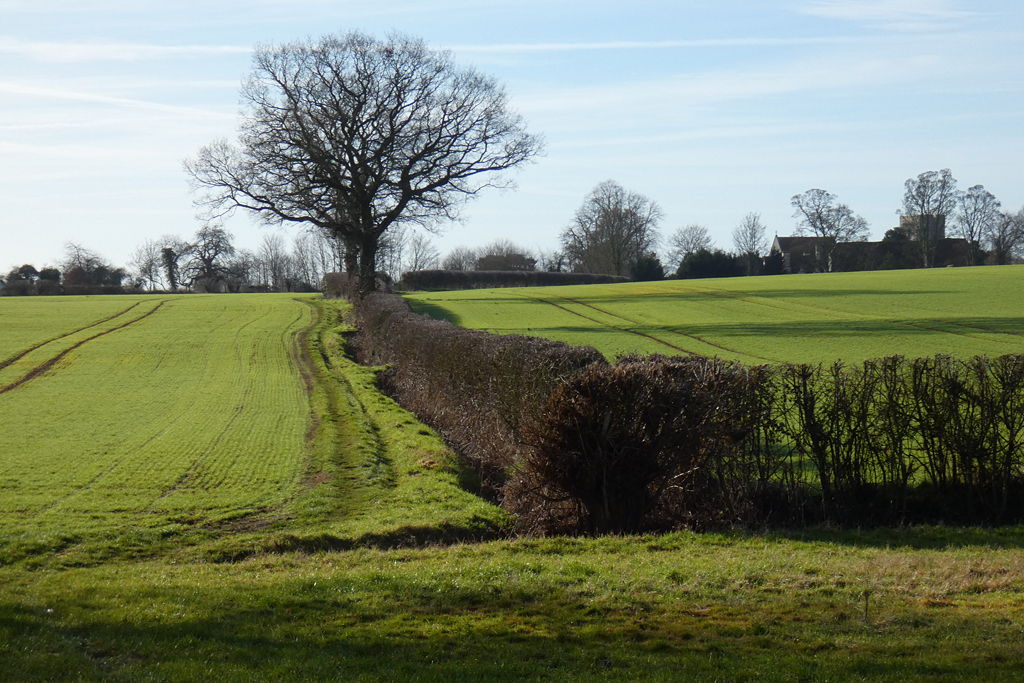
(713, 110)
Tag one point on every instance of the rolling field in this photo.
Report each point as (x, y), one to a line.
(786, 318)
(206, 488)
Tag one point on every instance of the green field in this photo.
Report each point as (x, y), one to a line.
(204, 487)
(785, 318)
(126, 420)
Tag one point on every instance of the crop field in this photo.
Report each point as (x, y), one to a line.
(205, 487)
(785, 318)
(133, 414)
(125, 420)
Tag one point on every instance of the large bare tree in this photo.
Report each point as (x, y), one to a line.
(1005, 238)
(819, 213)
(927, 200)
(355, 135)
(206, 262)
(977, 214)
(611, 231)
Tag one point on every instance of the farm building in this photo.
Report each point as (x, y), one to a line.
(802, 254)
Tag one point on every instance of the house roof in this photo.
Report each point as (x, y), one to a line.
(790, 244)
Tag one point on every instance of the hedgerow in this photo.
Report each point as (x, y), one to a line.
(473, 387)
(573, 444)
(488, 279)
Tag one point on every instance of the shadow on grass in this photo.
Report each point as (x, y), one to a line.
(475, 531)
(916, 538)
(389, 623)
(434, 311)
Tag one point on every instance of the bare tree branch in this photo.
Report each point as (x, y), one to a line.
(354, 135)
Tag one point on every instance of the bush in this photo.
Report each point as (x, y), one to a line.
(18, 288)
(611, 442)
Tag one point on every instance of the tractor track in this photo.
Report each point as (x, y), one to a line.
(19, 356)
(48, 365)
(636, 332)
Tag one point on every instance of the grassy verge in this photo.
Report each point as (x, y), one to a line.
(676, 607)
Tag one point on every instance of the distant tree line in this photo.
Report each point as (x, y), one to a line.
(209, 262)
(616, 231)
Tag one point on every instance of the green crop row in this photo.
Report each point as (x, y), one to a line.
(193, 410)
(792, 318)
(175, 421)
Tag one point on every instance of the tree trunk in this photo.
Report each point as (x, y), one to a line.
(368, 265)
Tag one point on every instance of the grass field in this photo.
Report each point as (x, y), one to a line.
(205, 487)
(786, 318)
(142, 420)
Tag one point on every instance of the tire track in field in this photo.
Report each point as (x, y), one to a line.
(978, 332)
(48, 365)
(915, 324)
(200, 467)
(19, 356)
(643, 334)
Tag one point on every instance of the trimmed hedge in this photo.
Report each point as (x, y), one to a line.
(477, 389)
(572, 444)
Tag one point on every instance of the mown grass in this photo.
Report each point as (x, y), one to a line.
(374, 565)
(786, 318)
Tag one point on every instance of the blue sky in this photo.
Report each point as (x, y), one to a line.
(713, 110)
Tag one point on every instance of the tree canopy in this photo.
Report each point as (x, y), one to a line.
(354, 135)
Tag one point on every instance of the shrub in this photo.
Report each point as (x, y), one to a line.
(18, 288)
(610, 442)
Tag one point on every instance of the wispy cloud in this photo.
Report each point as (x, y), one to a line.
(688, 92)
(123, 52)
(900, 15)
(32, 91)
(651, 45)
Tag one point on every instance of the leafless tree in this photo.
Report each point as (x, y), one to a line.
(423, 254)
(1005, 239)
(208, 255)
(391, 250)
(687, 240)
(460, 258)
(145, 263)
(928, 197)
(750, 240)
(82, 266)
(307, 262)
(818, 213)
(977, 213)
(243, 268)
(356, 135)
(612, 229)
(275, 262)
(551, 261)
